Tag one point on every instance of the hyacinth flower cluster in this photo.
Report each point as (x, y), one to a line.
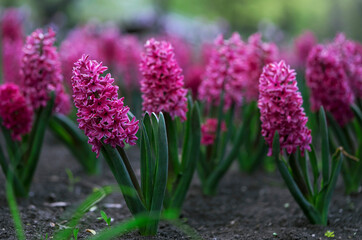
(162, 82)
(284, 127)
(221, 91)
(162, 91)
(105, 121)
(12, 42)
(303, 45)
(338, 66)
(328, 82)
(40, 72)
(258, 54)
(280, 105)
(15, 113)
(101, 115)
(225, 73)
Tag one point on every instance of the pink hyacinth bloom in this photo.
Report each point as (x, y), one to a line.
(351, 53)
(303, 44)
(208, 131)
(226, 71)
(127, 60)
(257, 56)
(101, 114)
(193, 78)
(16, 115)
(41, 71)
(80, 40)
(162, 82)
(328, 82)
(280, 105)
(12, 43)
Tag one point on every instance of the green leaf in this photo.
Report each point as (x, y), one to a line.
(336, 169)
(84, 207)
(15, 214)
(325, 146)
(306, 207)
(115, 162)
(313, 162)
(69, 133)
(160, 175)
(172, 144)
(190, 157)
(36, 141)
(147, 165)
(148, 125)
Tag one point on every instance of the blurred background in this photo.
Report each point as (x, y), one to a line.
(278, 20)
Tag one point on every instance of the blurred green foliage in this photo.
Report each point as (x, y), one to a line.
(324, 17)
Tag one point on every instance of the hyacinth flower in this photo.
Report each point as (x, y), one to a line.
(338, 65)
(289, 140)
(162, 91)
(303, 44)
(41, 74)
(255, 55)
(12, 39)
(221, 93)
(23, 136)
(105, 121)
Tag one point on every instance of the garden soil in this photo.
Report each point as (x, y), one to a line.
(256, 206)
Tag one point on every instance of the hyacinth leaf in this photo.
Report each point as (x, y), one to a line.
(325, 146)
(12, 176)
(297, 174)
(306, 207)
(147, 165)
(11, 145)
(222, 146)
(148, 125)
(335, 170)
(186, 143)
(119, 170)
(357, 113)
(15, 214)
(220, 117)
(314, 165)
(340, 135)
(93, 199)
(36, 141)
(155, 124)
(190, 157)
(69, 133)
(172, 136)
(160, 177)
(220, 170)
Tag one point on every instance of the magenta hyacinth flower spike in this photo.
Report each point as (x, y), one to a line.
(328, 82)
(226, 71)
(162, 82)
(280, 104)
(41, 72)
(15, 113)
(101, 114)
(12, 42)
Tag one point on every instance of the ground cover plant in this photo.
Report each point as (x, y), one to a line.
(177, 139)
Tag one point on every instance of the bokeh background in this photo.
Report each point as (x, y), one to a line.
(278, 20)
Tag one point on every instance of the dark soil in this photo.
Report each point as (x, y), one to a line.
(254, 206)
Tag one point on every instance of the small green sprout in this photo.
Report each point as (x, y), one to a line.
(275, 234)
(329, 234)
(75, 233)
(71, 179)
(105, 218)
(46, 237)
